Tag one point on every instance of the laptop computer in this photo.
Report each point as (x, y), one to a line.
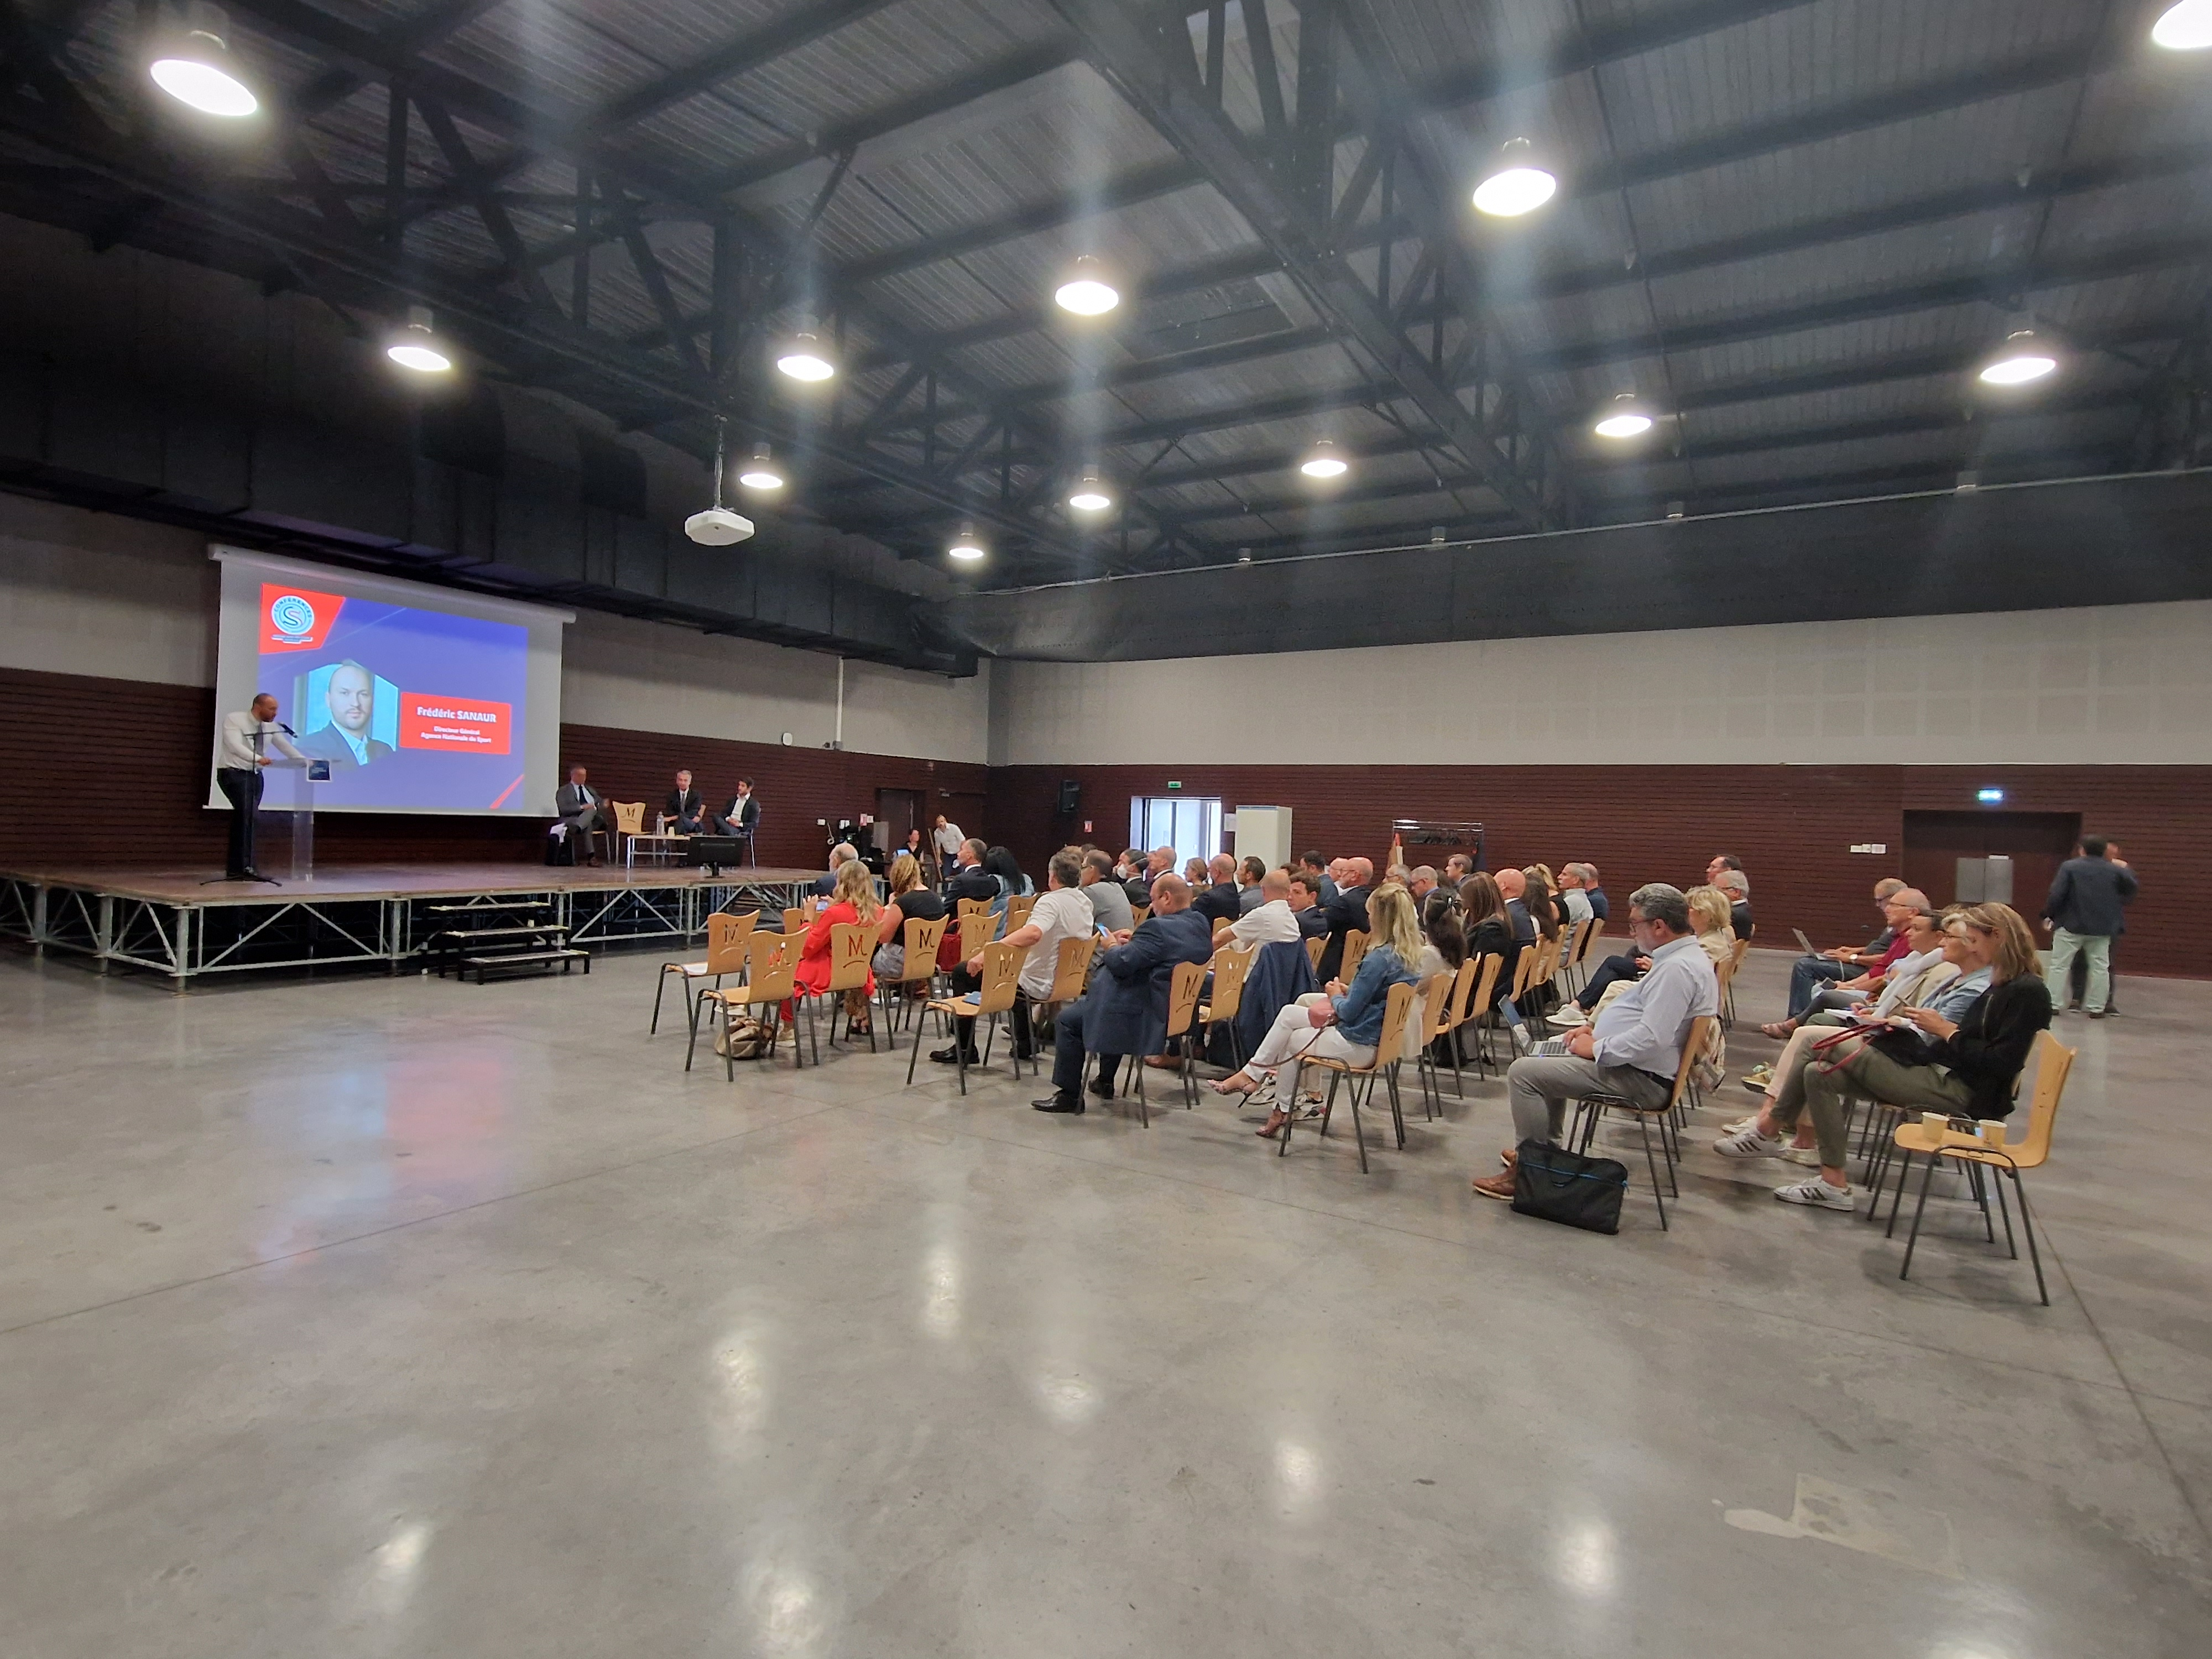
(1521, 1040)
(1804, 943)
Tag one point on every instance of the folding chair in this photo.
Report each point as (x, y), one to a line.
(1231, 965)
(1435, 1022)
(771, 964)
(1355, 941)
(1476, 1006)
(1002, 967)
(797, 919)
(2055, 1062)
(1071, 972)
(1182, 1006)
(1591, 1108)
(1389, 1054)
(1315, 946)
(920, 968)
(726, 955)
(1728, 984)
(851, 945)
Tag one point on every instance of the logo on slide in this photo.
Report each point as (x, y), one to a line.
(293, 616)
(296, 618)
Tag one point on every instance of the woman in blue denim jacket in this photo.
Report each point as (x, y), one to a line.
(1345, 1023)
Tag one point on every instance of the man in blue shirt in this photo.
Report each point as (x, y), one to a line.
(1634, 1048)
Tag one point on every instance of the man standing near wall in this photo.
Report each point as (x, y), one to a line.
(2086, 909)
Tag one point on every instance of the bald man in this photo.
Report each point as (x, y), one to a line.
(1511, 885)
(1346, 911)
(1126, 1009)
(1272, 921)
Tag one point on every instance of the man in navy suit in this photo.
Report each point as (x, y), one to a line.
(1346, 911)
(1126, 1009)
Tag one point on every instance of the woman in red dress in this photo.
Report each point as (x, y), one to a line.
(853, 900)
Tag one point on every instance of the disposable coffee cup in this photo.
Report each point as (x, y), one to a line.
(1993, 1134)
(1933, 1124)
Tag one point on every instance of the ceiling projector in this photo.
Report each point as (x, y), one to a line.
(717, 526)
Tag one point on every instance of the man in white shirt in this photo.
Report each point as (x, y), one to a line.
(246, 739)
(1061, 912)
(1274, 922)
(1634, 1047)
(946, 838)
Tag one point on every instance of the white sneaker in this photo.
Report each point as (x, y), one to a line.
(1809, 1157)
(1818, 1193)
(1749, 1143)
(1740, 1124)
(1569, 1016)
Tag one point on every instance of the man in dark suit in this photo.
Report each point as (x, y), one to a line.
(742, 816)
(1223, 900)
(350, 697)
(685, 808)
(583, 810)
(1346, 911)
(1512, 886)
(1306, 904)
(1126, 1009)
(968, 879)
(2085, 912)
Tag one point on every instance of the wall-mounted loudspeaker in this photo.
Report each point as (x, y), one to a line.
(1070, 797)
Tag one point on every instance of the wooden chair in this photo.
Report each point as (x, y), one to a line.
(1389, 1053)
(1728, 990)
(922, 939)
(798, 919)
(629, 820)
(1435, 997)
(1140, 912)
(1569, 953)
(851, 945)
(771, 967)
(1018, 908)
(1182, 1007)
(1002, 967)
(2055, 1062)
(1355, 941)
(1476, 1005)
(1071, 972)
(1315, 946)
(726, 955)
(1222, 930)
(1591, 1108)
(963, 909)
(1589, 951)
(1232, 965)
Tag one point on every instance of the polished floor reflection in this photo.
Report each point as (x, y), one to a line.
(387, 1317)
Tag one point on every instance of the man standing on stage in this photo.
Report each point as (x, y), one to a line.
(244, 752)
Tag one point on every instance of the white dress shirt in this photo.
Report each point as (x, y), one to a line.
(1272, 923)
(947, 841)
(1645, 1025)
(1064, 913)
(246, 739)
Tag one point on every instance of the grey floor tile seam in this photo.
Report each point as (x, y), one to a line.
(580, 1175)
(2135, 1397)
(2119, 1383)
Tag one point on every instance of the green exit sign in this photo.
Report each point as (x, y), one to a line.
(1175, 783)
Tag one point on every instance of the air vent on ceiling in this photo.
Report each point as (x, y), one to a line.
(1220, 315)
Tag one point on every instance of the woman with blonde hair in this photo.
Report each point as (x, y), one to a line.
(1709, 921)
(852, 900)
(912, 900)
(1967, 1066)
(1346, 1022)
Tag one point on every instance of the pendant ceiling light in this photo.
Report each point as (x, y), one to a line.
(1517, 183)
(802, 357)
(1090, 496)
(1626, 416)
(760, 472)
(2021, 359)
(2185, 27)
(964, 545)
(1086, 288)
(195, 67)
(416, 346)
(717, 526)
(1323, 461)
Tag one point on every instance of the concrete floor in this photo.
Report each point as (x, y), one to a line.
(397, 1317)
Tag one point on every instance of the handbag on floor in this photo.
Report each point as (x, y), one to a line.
(1558, 1185)
(742, 1038)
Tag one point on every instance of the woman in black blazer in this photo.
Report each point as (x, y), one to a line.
(1489, 933)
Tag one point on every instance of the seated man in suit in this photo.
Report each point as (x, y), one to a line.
(1220, 902)
(350, 697)
(1346, 911)
(1126, 1009)
(742, 816)
(1512, 886)
(825, 885)
(1251, 873)
(582, 812)
(1305, 902)
(685, 808)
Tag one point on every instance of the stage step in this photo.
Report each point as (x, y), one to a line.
(513, 963)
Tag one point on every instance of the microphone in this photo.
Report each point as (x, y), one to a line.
(286, 730)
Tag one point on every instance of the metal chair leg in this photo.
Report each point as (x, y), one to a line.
(2027, 1226)
(1658, 1197)
(915, 1054)
(657, 990)
(1918, 1210)
(1996, 1180)
(1897, 1199)
(1397, 1107)
(1358, 1133)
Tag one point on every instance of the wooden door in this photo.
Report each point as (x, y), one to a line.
(2036, 842)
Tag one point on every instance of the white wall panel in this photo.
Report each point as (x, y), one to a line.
(2121, 683)
(89, 594)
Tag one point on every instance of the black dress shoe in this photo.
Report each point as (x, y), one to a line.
(1058, 1103)
(1025, 1053)
(1102, 1088)
(952, 1057)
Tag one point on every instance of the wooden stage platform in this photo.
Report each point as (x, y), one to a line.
(170, 921)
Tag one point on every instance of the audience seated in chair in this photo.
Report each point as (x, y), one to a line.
(1633, 1049)
(1250, 873)
(840, 855)
(1573, 893)
(1488, 930)
(1273, 920)
(1898, 911)
(1965, 1062)
(1109, 900)
(968, 880)
(1061, 912)
(1306, 902)
(1125, 1012)
(1807, 973)
(911, 901)
(1345, 1022)
(1346, 911)
(852, 900)
(1220, 900)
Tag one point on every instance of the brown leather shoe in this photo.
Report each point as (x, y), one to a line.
(1498, 1186)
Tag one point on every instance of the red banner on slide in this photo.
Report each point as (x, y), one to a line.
(454, 724)
(296, 618)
